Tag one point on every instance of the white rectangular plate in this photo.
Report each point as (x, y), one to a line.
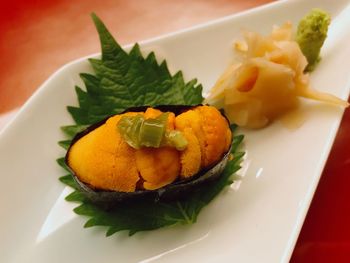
(258, 221)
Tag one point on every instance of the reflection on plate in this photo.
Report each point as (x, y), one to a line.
(256, 220)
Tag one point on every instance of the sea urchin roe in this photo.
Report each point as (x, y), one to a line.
(157, 166)
(104, 160)
(210, 128)
(101, 159)
(191, 157)
(191, 119)
(214, 127)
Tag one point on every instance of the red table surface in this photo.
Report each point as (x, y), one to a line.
(37, 37)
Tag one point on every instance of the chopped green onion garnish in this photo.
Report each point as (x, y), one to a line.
(129, 128)
(175, 139)
(138, 131)
(152, 131)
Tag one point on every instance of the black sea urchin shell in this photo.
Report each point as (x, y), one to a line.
(175, 190)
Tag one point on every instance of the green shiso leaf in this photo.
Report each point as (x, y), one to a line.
(61, 163)
(72, 130)
(68, 180)
(124, 80)
(64, 144)
(147, 215)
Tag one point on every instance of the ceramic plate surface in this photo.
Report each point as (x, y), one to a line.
(257, 219)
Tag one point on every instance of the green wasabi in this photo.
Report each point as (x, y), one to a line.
(311, 34)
